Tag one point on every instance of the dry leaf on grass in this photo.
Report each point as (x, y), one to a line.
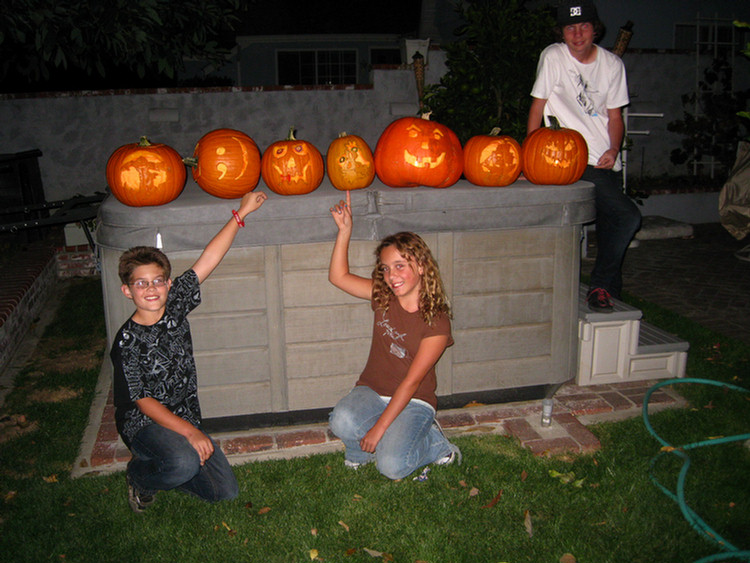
(343, 525)
(50, 479)
(567, 558)
(313, 554)
(264, 510)
(493, 502)
(473, 492)
(527, 522)
(524, 476)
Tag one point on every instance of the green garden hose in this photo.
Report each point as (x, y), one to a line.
(729, 550)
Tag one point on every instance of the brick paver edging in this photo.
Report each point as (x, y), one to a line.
(102, 451)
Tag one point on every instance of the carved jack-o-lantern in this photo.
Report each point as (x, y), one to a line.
(492, 160)
(415, 151)
(141, 174)
(554, 155)
(292, 167)
(349, 163)
(226, 163)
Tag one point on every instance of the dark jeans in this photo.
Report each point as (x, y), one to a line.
(617, 221)
(163, 459)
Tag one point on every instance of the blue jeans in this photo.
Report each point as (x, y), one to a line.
(164, 459)
(617, 221)
(413, 439)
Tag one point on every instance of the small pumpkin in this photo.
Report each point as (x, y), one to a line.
(292, 166)
(349, 163)
(226, 163)
(414, 151)
(492, 160)
(142, 174)
(554, 155)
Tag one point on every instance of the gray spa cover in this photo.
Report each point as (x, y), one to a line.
(190, 221)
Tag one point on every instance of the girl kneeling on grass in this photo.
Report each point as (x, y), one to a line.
(389, 416)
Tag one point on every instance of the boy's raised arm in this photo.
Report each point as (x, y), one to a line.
(215, 250)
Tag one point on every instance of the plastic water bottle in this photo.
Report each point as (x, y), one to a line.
(547, 412)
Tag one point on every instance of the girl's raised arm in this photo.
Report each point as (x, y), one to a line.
(338, 270)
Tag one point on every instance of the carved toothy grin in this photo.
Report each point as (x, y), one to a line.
(424, 162)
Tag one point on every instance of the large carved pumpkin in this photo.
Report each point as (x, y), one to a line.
(349, 163)
(492, 160)
(141, 174)
(226, 163)
(292, 166)
(415, 151)
(554, 155)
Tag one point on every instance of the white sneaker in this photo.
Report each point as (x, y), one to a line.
(451, 457)
(352, 464)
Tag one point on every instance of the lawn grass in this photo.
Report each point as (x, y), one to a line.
(501, 504)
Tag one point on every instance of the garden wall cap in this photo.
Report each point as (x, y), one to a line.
(576, 12)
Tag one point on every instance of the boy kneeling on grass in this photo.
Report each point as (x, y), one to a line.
(155, 381)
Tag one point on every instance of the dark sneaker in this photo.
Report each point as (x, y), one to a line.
(599, 300)
(138, 501)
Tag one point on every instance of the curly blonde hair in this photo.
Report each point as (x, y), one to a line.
(432, 297)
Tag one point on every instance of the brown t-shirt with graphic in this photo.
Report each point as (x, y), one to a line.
(396, 337)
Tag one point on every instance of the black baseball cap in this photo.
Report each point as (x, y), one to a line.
(576, 12)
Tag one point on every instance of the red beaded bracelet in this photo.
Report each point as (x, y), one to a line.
(240, 222)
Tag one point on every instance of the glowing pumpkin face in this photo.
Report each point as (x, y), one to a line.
(292, 167)
(141, 174)
(414, 151)
(226, 163)
(349, 163)
(554, 155)
(492, 160)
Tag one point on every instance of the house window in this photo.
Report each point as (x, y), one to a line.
(710, 36)
(317, 67)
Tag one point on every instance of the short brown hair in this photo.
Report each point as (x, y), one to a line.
(142, 256)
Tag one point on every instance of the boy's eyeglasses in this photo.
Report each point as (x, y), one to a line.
(143, 284)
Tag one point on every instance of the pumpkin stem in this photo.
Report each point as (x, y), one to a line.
(426, 115)
(144, 142)
(553, 122)
(190, 161)
(495, 132)
(291, 134)
(342, 134)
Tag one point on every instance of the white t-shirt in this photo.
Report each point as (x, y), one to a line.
(579, 95)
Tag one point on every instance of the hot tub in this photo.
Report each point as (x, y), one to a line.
(276, 342)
